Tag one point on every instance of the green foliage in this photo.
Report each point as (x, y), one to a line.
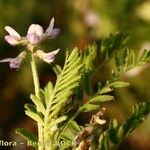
(67, 81)
(95, 56)
(112, 44)
(58, 105)
(122, 16)
(129, 60)
(116, 133)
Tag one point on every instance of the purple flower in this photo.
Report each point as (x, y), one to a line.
(47, 57)
(15, 63)
(51, 31)
(13, 38)
(36, 34)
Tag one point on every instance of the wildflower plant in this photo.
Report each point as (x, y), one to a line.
(55, 107)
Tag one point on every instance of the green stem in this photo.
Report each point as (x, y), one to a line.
(37, 93)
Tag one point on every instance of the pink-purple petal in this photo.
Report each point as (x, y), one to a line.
(12, 32)
(54, 32)
(11, 40)
(35, 29)
(33, 38)
(47, 57)
(50, 27)
(14, 63)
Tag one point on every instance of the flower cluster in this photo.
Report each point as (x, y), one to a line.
(35, 36)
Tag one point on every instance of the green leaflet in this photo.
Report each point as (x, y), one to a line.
(71, 66)
(94, 102)
(104, 90)
(47, 91)
(66, 84)
(101, 98)
(118, 84)
(32, 113)
(57, 69)
(62, 95)
(40, 106)
(73, 55)
(89, 107)
(57, 121)
(35, 116)
(28, 136)
(30, 107)
(58, 104)
(54, 112)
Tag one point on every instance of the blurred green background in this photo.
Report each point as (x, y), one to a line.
(81, 22)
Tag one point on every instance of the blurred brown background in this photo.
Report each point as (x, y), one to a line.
(81, 22)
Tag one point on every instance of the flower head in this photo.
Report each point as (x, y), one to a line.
(47, 57)
(34, 36)
(14, 63)
(13, 38)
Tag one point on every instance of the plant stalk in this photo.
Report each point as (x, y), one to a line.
(37, 93)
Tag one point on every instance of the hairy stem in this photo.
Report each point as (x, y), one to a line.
(37, 93)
